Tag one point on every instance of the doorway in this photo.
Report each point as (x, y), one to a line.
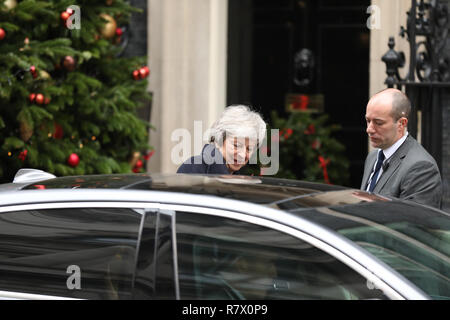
(266, 36)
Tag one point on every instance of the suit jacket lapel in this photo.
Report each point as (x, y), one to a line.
(394, 163)
(368, 169)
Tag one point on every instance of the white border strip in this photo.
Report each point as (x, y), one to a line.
(9, 295)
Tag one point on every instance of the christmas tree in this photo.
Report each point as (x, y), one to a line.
(68, 100)
(308, 149)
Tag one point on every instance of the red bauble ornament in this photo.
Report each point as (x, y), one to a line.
(40, 98)
(136, 75)
(2, 34)
(32, 97)
(58, 133)
(23, 155)
(73, 160)
(33, 72)
(47, 100)
(65, 15)
(119, 32)
(69, 63)
(144, 72)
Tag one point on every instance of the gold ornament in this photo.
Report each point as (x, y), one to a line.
(134, 159)
(44, 75)
(26, 131)
(10, 4)
(109, 29)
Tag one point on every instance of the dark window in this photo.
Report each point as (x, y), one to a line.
(84, 253)
(221, 258)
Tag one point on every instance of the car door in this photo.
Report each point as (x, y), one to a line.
(202, 253)
(221, 257)
(68, 250)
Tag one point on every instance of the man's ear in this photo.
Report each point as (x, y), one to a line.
(404, 122)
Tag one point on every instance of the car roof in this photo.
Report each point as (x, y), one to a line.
(297, 197)
(260, 190)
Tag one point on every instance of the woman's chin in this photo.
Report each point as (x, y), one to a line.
(235, 166)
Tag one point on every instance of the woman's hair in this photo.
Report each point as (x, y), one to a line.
(238, 121)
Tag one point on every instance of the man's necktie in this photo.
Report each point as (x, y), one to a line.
(380, 160)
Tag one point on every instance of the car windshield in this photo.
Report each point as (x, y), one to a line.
(414, 240)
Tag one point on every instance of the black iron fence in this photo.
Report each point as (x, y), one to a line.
(427, 82)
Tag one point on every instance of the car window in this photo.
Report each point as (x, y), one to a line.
(222, 258)
(86, 253)
(413, 240)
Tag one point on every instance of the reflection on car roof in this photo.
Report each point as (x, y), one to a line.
(280, 193)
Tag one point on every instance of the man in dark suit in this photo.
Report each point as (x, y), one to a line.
(400, 166)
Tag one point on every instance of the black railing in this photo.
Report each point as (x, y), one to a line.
(428, 72)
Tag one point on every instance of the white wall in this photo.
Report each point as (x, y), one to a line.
(392, 16)
(187, 59)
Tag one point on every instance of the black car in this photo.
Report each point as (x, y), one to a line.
(146, 236)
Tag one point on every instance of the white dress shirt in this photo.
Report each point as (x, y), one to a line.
(387, 155)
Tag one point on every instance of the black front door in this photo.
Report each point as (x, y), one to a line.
(265, 36)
